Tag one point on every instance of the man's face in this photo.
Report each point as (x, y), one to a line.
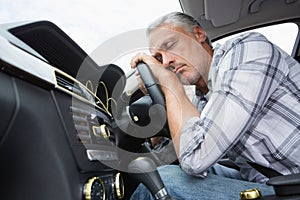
(182, 51)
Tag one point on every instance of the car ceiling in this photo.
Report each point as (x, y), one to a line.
(222, 17)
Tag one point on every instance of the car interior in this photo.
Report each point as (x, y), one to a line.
(69, 126)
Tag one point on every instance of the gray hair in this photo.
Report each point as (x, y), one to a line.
(179, 19)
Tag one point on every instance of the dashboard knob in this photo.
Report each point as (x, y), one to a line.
(94, 189)
(105, 131)
(119, 185)
(102, 130)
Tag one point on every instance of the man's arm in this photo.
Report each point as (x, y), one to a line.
(179, 107)
(179, 110)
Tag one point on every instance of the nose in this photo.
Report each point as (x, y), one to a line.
(168, 59)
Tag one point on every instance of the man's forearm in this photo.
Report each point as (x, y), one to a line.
(179, 111)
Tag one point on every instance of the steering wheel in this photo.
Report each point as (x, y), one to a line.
(155, 94)
(153, 88)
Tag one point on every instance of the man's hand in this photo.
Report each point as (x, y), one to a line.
(164, 77)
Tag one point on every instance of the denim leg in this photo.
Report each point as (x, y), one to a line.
(182, 186)
(227, 172)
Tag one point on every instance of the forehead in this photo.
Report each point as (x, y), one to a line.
(165, 33)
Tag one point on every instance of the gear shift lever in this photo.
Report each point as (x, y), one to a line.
(144, 170)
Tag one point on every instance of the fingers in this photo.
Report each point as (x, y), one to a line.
(142, 85)
(156, 67)
(142, 57)
(136, 59)
(141, 82)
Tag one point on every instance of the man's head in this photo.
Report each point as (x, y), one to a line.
(178, 19)
(178, 41)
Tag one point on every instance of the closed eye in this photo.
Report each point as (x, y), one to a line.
(170, 45)
(158, 57)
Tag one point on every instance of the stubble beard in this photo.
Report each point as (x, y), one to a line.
(192, 80)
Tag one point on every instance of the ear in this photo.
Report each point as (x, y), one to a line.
(199, 34)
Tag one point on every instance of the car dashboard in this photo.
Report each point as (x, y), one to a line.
(57, 133)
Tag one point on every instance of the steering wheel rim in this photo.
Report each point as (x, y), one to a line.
(154, 91)
(153, 88)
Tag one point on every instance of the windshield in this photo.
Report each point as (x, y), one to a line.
(90, 23)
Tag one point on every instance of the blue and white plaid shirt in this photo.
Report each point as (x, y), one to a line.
(252, 113)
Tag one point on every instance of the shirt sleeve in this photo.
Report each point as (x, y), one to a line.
(245, 78)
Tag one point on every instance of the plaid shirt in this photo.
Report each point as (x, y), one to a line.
(252, 113)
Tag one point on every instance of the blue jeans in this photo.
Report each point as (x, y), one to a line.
(182, 186)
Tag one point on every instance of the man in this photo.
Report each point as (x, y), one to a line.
(252, 112)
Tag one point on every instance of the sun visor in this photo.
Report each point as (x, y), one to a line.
(222, 12)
